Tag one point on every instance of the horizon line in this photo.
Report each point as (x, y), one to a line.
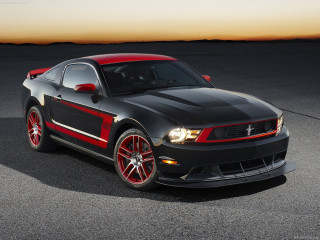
(287, 39)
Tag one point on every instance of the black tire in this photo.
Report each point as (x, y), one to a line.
(141, 171)
(44, 143)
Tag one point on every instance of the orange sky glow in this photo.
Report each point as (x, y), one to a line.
(114, 21)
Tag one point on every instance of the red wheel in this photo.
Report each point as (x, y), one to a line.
(135, 161)
(38, 134)
(34, 128)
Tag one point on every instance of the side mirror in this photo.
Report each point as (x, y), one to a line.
(206, 77)
(85, 88)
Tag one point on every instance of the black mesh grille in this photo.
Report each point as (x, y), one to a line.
(241, 167)
(240, 131)
(235, 168)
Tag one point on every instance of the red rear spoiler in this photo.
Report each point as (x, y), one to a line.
(35, 73)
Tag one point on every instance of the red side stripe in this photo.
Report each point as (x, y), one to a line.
(105, 128)
(92, 112)
(72, 133)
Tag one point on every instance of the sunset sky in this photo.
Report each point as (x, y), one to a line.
(108, 21)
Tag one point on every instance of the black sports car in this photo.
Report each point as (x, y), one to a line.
(156, 120)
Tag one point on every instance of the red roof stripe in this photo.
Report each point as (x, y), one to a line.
(128, 57)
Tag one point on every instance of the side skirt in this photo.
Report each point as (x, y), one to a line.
(82, 150)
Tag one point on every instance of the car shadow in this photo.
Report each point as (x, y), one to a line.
(70, 170)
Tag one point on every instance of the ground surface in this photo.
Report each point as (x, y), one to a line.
(65, 195)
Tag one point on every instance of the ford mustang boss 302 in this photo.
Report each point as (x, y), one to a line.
(157, 120)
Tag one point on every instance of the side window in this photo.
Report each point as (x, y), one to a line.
(52, 74)
(79, 74)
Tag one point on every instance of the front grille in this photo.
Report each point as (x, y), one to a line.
(235, 168)
(241, 130)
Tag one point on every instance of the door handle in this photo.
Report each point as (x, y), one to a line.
(57, 98)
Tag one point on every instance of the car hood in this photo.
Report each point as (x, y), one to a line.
(192, 106)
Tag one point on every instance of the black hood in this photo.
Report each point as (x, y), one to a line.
(191, 106)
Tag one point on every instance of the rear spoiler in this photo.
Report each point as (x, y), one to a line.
(36, 73)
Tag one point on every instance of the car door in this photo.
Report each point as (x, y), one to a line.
(75, 115)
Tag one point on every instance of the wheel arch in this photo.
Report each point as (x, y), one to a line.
(123, 126)
(32, 101)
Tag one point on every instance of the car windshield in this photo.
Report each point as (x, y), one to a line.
(137, 77)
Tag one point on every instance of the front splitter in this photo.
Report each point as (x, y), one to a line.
(289, 166)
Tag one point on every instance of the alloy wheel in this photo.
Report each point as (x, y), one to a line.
(34, 128)
(135, 159)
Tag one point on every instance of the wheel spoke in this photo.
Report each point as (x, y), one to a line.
(36, 139)
(39, 132)
(32, 121)
(30, 131)
(131, 172)
(36, 118)
(124, 155)
(133, 148)
(142, 166)
(148, 159)
(135, 143)
(127, 168)
(138, 144)
(140, 174)
(126, 149)
(147, 152)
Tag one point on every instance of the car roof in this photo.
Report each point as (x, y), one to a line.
(128, 57)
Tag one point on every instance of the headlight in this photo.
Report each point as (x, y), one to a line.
(178, 135)
(279, 125)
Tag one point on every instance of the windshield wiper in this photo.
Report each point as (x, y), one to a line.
(130, 92)
(136, 91)
(175, 86)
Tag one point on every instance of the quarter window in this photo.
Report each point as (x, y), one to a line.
(52, 74)
(76, 74)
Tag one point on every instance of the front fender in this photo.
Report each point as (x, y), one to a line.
(155, 126)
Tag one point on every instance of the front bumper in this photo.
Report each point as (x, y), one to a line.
(247, 177)
(223, 164)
